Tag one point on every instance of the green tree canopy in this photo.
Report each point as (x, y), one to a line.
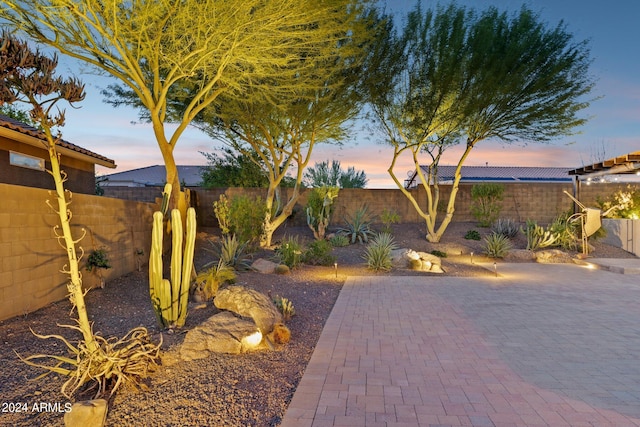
(165, 52)
(457, 76)
(324, 175)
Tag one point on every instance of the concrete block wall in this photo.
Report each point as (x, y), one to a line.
(31, 258)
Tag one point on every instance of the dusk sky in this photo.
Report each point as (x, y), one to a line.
(613, 130)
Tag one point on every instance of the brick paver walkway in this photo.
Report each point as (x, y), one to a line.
(541, 345)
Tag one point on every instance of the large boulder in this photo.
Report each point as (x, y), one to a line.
(221, 333)
(265, 266)
(399, 259)
(249, 303)
(553, 256)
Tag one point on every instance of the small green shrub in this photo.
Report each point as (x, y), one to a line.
(472, 235)
(438, 253)
(507, 227)
(339, 240)
(496, 245)
(319, 208)
(223, 214)
(246, 218)
(567, 233)
(485, 205)
(290, 252)
(232, 252)
(358, 226)
(622, 204)
(378, 252)
(98, 259)
(319, 253)
(388, 217)
(284, 306)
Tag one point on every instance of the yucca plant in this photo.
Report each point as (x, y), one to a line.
(232, 252)
(496, 245)
(378, 252)
(507, 227)
(339, 240)
(210, 280)
(358, 226)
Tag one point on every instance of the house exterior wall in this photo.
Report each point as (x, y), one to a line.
(80, 174)
(31, 258)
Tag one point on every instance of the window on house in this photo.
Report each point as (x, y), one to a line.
(25, 161)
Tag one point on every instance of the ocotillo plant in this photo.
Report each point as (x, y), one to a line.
(170, 298)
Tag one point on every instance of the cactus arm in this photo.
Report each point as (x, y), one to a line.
(176, 262)
(166, 195)
(155, 267)
(187, 265)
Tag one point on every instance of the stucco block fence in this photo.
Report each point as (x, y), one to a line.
(31, 258)
(540, 202)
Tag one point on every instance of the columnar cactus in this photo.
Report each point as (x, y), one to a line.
(170, 298)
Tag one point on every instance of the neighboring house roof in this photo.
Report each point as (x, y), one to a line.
(153, 176)
(24, 133)
(446, 174)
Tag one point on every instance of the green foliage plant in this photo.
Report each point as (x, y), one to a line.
(290, 252)
(212, 278)
(439, 253)
(358, 226)
(170, 297)
(507, 227)
(378, 252)
(623, 203)
(497, 245)
(98, 258)
(232, 252)
(318, 252)
(324, 175)
(566, 231)
(388, 217)
(246, 218)
(486, 202)
(339, 240)
(319, 208)
(284, 306)
(223, 213)
(472, 235)
(538, 237)
(27, 76)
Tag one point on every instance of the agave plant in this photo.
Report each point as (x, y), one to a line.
(209, 281)
(232, 252)
(358, 226)
(378, 252)
(497, 245)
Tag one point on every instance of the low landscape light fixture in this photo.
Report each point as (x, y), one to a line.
(335, 267)
(471, 257)
(495, 268)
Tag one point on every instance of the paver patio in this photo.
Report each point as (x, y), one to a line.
(540, 345)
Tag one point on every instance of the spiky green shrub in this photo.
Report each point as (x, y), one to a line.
(284, 306)
(388, 217)
(339, 240)
(486, 202)
(232, 252)
(358, 226)
(496, 245)
(438, 253)
(538, 237)
(472, 235)
(378, 252)
(98, 258)
(222, 212)
(211, 279)
(319, 253)
(290, 252)
(507, 227)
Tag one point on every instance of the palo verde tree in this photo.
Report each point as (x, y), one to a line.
(324, 175)
(27, 76)
(152, 47)
(278, 130)
(456, 76)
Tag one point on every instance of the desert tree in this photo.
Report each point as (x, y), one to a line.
(28, 77)
(455, 76)
(278, 130)
(323, 174)
(151, 47)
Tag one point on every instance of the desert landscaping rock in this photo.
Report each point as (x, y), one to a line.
(422, 261)
(222, 333)
(553, 256)
(398, 258)
(519, 255)
(249, 303)
(264, 266)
